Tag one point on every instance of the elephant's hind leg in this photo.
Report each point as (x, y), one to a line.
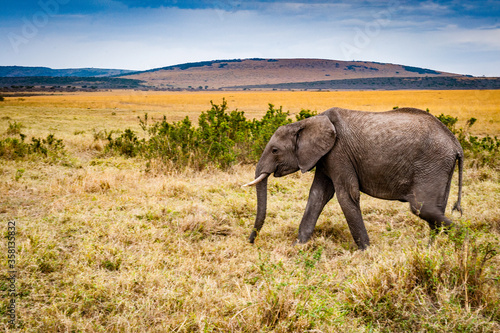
(434, 215)
(431, 192)
(431, 209)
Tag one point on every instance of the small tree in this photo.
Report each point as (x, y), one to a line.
(2, 99)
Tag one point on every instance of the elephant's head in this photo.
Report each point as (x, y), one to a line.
(293, 147)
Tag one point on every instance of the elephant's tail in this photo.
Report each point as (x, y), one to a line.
(460, 158)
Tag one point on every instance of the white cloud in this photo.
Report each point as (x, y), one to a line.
(480, 39)
(144, 38)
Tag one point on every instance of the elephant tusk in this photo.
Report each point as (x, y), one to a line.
(258, 179)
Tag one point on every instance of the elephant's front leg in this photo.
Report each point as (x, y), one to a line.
(321, 192)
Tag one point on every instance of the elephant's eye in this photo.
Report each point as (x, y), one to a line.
(274, 150)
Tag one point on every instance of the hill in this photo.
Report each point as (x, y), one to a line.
(220, 74)
(386, 83)
(53, 84)
(21, 71)
(243, 74)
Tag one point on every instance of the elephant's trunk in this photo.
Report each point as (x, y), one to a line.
(261, 206)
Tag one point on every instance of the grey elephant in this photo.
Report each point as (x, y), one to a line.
(405, 154)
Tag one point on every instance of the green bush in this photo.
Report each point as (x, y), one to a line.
(480, 151)
(14, 128)
(171, 142)
(14, 148)
(303, 114)
(448, 121)
(126, 144)
(221, 139)
(216, 134)
(263, 129)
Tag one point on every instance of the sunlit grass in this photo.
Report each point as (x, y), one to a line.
(100, 106)
(106, 244)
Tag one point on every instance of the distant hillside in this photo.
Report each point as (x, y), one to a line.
(20, 71)
(52, 84)
(242, 74)
(386, 83)
(219, 74)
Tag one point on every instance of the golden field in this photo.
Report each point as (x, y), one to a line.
(99, 106)
(106, 244)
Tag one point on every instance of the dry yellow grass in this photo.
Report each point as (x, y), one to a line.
(481, 104)
(103, 245)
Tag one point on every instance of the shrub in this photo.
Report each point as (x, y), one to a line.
(171, 142)
(102, 134)
(126, 144)
(216, 134)
(480, 152)
(221, 139)
(303, 114)
(448, 121)
(263, 129)
(14, 148)
(14, 128)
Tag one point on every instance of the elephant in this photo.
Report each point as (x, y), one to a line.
(404, 154)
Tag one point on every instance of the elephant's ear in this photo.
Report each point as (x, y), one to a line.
(315, 137)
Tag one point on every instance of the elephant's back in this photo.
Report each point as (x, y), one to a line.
(402, 137)
(416, 124)
(429, 124)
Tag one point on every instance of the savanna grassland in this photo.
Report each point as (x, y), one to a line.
(110, 243)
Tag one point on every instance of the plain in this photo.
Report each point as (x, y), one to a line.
(107, 244)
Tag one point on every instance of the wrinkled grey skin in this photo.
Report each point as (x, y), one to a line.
(405, 154)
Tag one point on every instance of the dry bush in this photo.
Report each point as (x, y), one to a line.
(453, 285)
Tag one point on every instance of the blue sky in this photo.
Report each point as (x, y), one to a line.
(448, 35)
